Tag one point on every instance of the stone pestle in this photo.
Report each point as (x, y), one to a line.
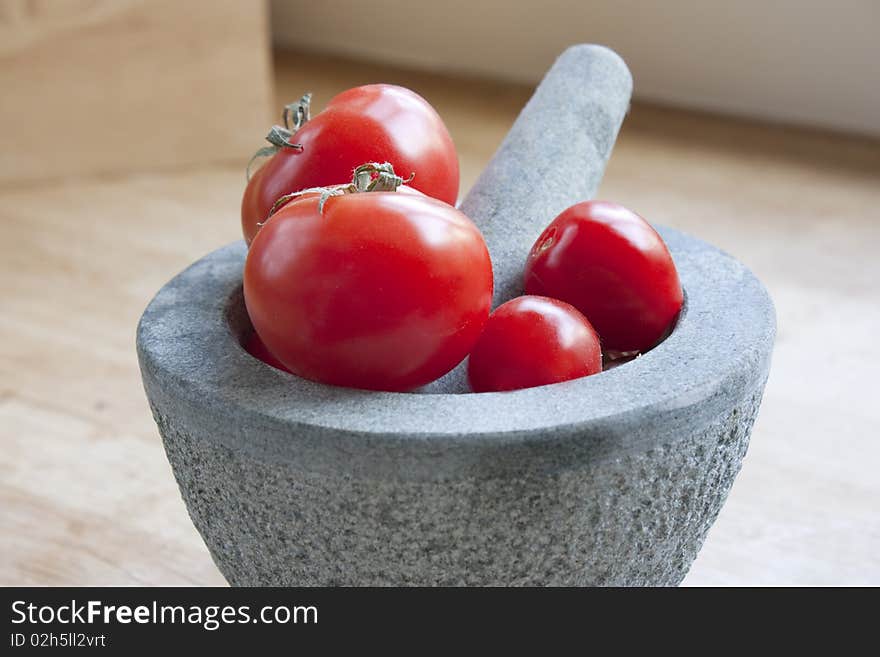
(553, 157)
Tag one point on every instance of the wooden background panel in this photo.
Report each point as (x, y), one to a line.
(98, 86)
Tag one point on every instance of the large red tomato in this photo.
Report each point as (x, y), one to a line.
(377, 290)
(373, 123)
(610, 264)
(533, 341)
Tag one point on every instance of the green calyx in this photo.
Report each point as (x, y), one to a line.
(293, 117)
(369, 177)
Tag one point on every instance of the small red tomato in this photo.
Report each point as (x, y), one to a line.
(373, 123)
(532, 341)
(378, 290)
(255, 347)
(610, 264)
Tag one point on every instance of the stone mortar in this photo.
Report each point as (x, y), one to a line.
(612, 479)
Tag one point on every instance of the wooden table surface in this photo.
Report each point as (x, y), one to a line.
(87, 497)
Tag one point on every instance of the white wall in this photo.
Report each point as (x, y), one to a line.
(811, 62)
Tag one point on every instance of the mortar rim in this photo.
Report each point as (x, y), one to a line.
(740, 367)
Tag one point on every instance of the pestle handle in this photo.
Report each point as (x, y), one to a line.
(553, 157)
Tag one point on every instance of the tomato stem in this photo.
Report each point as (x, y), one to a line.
(368, 177)
(294, 116)
(376, 177)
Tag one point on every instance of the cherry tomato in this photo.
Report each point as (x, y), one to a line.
(610, 264)
(255, 347)
(532, 341)
(379, 290)
(373, 123)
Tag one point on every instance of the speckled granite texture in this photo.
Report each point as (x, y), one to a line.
(638, 519)
(610, 479)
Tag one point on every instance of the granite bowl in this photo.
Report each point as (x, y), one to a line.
(612, 479)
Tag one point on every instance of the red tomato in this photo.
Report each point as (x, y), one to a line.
(374, 123)
(610, 264)
(255, 347)
(380, 290)
(532, 341)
